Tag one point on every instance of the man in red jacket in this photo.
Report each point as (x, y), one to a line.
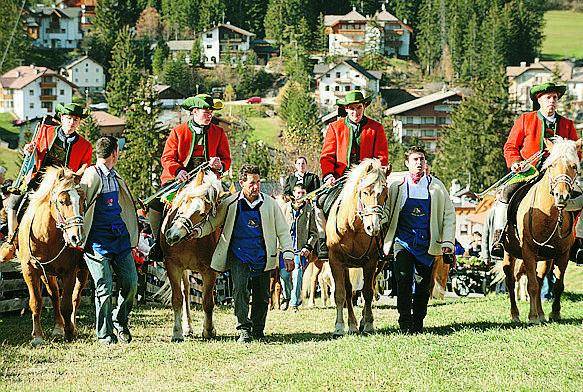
(190, 144)
(526, 138)
(53, 146)
(348, 141)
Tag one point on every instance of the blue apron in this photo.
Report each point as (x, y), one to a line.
(247, 244)
(413, 228)
(108, 235)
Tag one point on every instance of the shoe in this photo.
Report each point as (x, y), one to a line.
(124, 335)
(295, 309)
(322, 250)
(108, 340)
(155, 254)
(284, 304)
(497, 247)
(258, 335)
(405, 328)
(244, 336)
(416, 327)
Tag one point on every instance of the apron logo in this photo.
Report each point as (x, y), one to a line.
(417, 211)
(252, 223)
(109, 202)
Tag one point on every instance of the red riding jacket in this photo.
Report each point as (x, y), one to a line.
(81, 150)
(336, 149)
(179, 149)
(524, 139)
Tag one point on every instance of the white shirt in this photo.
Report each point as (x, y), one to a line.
(255, 203)
(416, 191)
(552, 119)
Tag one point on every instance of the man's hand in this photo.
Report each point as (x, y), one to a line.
(215, 163)
(305, 252)
(289, 265)
(182, 176)
(29, 148)
(518, 167)
(329, 180)
(446, 249)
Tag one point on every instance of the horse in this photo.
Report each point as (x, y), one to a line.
(353, 235)
(192, 206)
(543, 234)
(50, 236)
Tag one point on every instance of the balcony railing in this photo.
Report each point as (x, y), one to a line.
(48, 84)
(48, 97)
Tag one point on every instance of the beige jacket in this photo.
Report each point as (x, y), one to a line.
(441, 220)
(275, 230)
(91, 181)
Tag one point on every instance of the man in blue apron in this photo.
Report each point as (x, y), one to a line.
(112, 227)
(421, 226)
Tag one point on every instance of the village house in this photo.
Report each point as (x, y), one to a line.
(86, 74)
(180, 47)
(224, 42)
(334, 81)
(109, 124)
(29, 91)
(424, 118)
(353, 34)
(55, 27)
(168, 96)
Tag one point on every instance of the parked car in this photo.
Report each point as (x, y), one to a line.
(254, 100)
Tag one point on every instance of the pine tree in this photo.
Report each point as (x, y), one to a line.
(196, 52)
(20, 43)
(125, 73)
(211, 12)
(140, 163)
(480, 124)
(494, 45)
(90, 129)
(149, 25)
(471, 48)
(161, 53)
(178, 74)
(274, 20)
(429, 36)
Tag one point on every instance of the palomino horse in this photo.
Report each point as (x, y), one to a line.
(191, 208)
(353, 233)
(544, 230)
(50, 229)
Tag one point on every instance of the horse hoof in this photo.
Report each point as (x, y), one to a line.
(209, 334)
(177, 339)
(338, 334)
(554, 317)
(534, 321)
(515, 319)
(353, 330)
(37, 342)
(58, 332)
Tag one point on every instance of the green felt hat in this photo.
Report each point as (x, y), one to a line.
(545, 88)
(70, 109)
(200, 101)
(354, 96)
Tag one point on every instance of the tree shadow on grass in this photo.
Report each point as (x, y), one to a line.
(573, 297)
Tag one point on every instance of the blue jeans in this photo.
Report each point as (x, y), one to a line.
(101, 269)
(292, 283)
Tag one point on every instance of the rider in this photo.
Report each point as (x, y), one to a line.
(190, 144)
(348, 141)
(526, 139)
(53, 146)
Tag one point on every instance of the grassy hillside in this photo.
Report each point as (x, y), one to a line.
(470, 344)
(563, 35)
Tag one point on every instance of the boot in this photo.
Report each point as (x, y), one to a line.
(155, 254)
(577, 251)
(322, 249)
(497, 247)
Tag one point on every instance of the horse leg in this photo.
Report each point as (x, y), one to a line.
(67, 305)
(174, 274)
(54, 292)
(352, 323)
(313, 285)
(542, 267)
(340, 274)
(508, 268)
(186, 319)
(559, 287)
(35, 302)
(533, 286)
(369, 273)
(80, 281)
(208, 304)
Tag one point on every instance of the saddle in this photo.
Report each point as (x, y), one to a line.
(517, 197)
(326, 199)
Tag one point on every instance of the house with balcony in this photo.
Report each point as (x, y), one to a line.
(86, 74)
(87, 8)
(54, 27)
(224, 43)
(424, 118)
(354, 34)
(30, 92)
(334, 81)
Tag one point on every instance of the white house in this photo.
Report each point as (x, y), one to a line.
(522, 78)
(52, 27)
(180, 47)
(31, 92)
(333, 81)
(86, 74)
(168, 97)
(224, 40)
(353, 34)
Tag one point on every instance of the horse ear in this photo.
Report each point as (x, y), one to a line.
(199, 178)
(388, 169)
(549, 144)
(579, 143)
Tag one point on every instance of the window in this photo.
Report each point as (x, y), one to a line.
(76, 70)
(347, 88)
(427, 120)
(326, 101)
(327, 75)
(47, 105)
(31, 105)
(409, 120)
(46, 91)
(337, 74)
(86, 80)
(30, 92)
(441, 120)
(209, 46)
(327, 88)
(76, 80)
(209, 35)
(96, 80)
(337, 88)
(442, 108)
(62, 92)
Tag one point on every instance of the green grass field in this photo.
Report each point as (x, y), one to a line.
(469, 344)
(267, 129)
(9, 159)
(563, 35)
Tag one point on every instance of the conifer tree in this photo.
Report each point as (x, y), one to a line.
(428, 37)
(90, 129)
(211, 12)
(125, 73)
(161, 53)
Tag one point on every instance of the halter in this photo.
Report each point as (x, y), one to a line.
(189, 226)
(62, 223)
(562, 179)
(363, 211)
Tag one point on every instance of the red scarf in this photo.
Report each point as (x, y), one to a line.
(416, 177)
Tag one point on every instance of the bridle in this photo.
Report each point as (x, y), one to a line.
(62, 222)
(562, 179)
(190, 227)
(363, 210)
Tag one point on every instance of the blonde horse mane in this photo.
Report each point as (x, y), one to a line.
(368, 172)
(562, 148)
(54, 179)
(209, 184)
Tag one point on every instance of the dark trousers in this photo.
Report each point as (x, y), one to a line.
(245, 286)
(412, 307)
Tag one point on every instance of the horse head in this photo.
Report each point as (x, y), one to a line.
(192, 206)
(368, 181)
(562, 165)
(66, 201)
